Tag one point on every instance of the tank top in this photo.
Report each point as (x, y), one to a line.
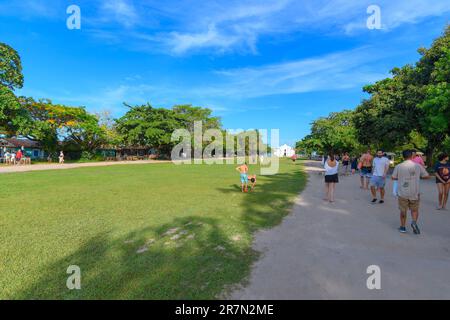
(329, 171)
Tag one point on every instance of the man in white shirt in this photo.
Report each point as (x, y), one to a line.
(380, 167)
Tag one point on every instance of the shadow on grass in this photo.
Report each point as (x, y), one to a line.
(189, 258)
(270, 201)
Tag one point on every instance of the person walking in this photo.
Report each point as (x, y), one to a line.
(354, 164)
(61, 157)
(408, 175)
(365, 164)
(418, 158)
(331, 167)
(345, 164)
(442, 173)
(380, 167)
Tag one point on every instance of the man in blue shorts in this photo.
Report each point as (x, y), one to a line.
(380, 167)
(365, 166)
(243, 170)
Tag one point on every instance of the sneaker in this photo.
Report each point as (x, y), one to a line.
(415, 228)
(402, 229)
(381, 201)
(374, 200)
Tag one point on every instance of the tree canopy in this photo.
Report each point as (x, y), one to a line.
(412, 107)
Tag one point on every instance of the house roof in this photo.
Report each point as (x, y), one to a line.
(18, 143)
(5, 143)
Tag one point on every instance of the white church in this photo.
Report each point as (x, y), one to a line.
(284, 151)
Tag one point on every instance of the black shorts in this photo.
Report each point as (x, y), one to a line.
(438, 181)
(332, 178)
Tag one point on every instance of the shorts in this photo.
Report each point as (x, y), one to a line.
(244, 178)
(377, 181)
(366, 172)
(439, 181)
(405, 204)
(332, 178)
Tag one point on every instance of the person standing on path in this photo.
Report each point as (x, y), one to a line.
(380, 167)
(417, 158)
(442, 172)
(345, 163)
(61, 157)
(354, 164)
(331, 177)
(365, 163)
(408, 174)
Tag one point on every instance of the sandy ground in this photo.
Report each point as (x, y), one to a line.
(57, 166)
(322, 250)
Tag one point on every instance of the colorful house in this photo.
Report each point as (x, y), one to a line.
(30, 148)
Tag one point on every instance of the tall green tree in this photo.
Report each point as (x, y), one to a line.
(11, 78)
(334, 133)
(10, 67)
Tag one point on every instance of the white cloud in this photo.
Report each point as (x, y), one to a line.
(121, 11)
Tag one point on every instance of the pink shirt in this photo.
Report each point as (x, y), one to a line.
(419, 160)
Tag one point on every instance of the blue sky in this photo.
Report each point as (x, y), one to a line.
(257, 64)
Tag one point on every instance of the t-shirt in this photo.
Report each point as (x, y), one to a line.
(443, 170)
(408, 174)
(380, 165)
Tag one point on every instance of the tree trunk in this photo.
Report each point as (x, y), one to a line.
(429, 157)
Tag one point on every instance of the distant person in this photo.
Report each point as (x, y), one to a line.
(345, 163)
(354, 164)
(19, 156)
(417, 158)
(294, 157)
(61, 157)
(331, 167)
(442, 172)
(13, 157)
(7, 157)
(380, 167)
(261, 159)
(243, 170)
(408, 174)
(365, 164)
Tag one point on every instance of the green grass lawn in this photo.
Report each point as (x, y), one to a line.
(194, 225)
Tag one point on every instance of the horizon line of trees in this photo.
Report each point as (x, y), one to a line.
(410, 109)
(60, 127)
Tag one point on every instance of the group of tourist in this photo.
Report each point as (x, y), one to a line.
(13, 157)
(374, 170)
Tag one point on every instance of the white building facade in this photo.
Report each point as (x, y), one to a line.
(284, 151)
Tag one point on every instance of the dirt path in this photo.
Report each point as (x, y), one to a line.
(57, 166)
(322, 250)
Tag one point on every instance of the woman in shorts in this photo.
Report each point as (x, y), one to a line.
(442, 172)
(331, 177)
